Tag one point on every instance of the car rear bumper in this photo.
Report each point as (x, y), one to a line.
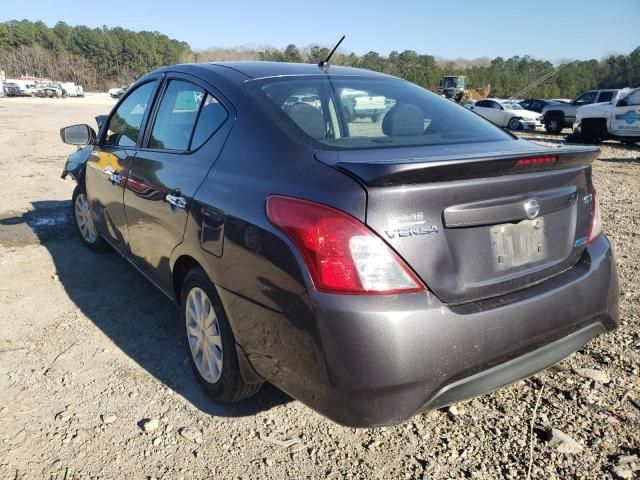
(519, 367)
(377, 360)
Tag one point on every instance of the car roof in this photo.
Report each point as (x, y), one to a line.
(260, 69)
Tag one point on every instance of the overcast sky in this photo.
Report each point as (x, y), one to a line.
(548, 29)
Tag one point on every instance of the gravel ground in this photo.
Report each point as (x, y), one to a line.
(94, 382)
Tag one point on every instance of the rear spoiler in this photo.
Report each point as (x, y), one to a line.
(439, 169)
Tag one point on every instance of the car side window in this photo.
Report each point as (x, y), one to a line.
(124, 125)
(496, 106)
(586, 98)
(176, 117)
(483, 103)
(212, 116)
(634, 98)
(605, 96)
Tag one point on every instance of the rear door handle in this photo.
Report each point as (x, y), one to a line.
(176, 200)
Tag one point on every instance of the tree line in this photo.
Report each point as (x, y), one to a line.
(506, 76)
(99, 58)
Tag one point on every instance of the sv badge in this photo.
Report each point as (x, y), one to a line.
(411, 231)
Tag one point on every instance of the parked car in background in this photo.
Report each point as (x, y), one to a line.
(11, 89)
(558, 116)
(506, 114)
(70, 89)
(48, 89)
(310, 99)
(370, 270)
(359, 104)
(617, 120)
(118, 92)
(537, 104)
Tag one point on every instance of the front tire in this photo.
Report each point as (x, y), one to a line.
(514, 123)
(85, 228)
(554, 124)
(209, 341)
(594, 130)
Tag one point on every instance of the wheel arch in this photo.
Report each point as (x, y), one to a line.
(554, 112)
(183, 265)
(514, 117)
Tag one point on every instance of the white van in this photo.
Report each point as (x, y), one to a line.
(71, 89)
(27, 87)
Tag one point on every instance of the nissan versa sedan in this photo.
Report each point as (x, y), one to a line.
(370, 269)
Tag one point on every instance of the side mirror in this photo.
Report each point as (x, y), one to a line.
(622, 103)
(78, 135)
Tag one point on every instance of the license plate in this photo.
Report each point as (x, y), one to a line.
(518, 244)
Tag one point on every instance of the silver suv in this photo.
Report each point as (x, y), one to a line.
(560, 115)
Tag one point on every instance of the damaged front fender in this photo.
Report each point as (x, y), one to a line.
(75, 163)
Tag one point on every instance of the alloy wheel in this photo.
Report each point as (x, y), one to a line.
(84, 220)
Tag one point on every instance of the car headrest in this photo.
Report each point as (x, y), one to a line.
(309, 119)
(402, 120)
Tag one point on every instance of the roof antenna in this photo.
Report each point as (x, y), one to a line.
(324, 64)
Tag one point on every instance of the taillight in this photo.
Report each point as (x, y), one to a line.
(341, 253)
(535, 161)
(596, 220)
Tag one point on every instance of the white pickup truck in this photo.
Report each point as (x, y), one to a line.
(359, 104)
(617, 120)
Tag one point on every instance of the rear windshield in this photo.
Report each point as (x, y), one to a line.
(348, 112)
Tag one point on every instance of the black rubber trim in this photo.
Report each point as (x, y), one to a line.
(509, 372)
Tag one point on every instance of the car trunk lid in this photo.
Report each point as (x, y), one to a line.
(478, 220)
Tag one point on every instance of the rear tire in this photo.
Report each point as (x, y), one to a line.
(554, 123)
(210, 344)
(85, 228)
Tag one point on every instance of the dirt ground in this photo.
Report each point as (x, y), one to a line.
(95, 384)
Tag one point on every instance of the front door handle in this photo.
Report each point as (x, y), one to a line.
(176, 200)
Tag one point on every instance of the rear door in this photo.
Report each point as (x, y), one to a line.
(625, 117)
(184, 138)
(605, 96)
(109, 165)
(499, 114)
(484, 109)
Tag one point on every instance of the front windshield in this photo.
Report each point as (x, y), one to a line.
(350, 112)
(511, 106)
(450, 82)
